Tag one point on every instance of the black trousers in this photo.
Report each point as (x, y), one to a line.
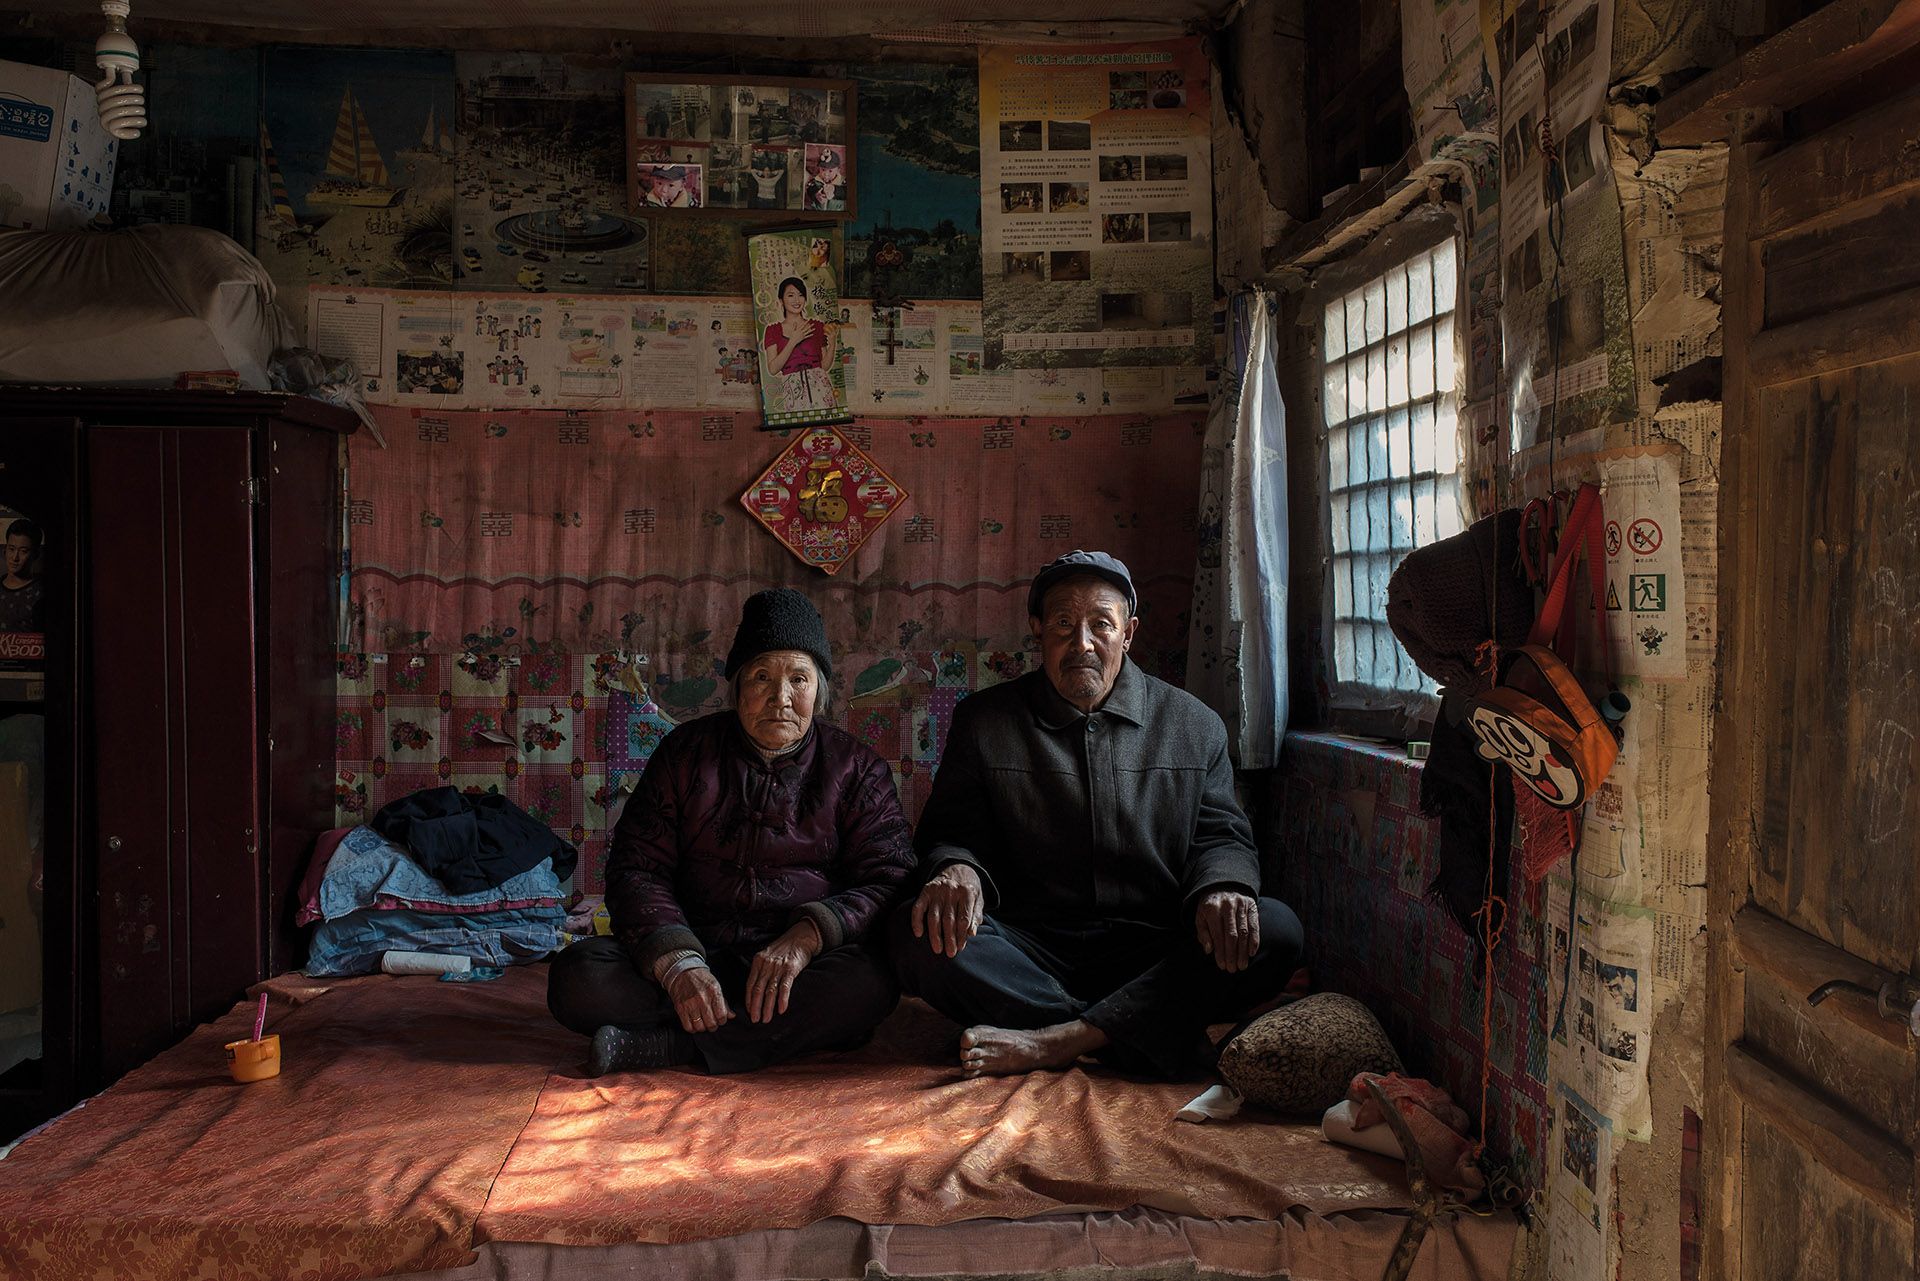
(1150, 989)
(836, 1003)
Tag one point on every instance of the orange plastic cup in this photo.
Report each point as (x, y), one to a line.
(254, 1060)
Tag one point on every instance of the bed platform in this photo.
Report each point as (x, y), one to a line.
(446, 1130)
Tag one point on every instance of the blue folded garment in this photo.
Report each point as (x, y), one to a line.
(353, 943)
(368, 865)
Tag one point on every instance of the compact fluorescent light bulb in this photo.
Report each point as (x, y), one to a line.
(123, 103)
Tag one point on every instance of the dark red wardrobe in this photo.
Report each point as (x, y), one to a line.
(191, 576)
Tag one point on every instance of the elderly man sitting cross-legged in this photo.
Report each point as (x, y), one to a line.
(1089, 808)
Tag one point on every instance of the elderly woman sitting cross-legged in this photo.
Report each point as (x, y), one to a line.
(750, 863)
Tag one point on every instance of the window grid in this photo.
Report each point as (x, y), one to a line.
(1392, 449)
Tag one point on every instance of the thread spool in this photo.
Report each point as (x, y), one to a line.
(1613, 712)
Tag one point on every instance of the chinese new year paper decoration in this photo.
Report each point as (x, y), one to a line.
(823, 497)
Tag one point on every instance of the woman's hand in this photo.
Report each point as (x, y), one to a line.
(812, 329)
(698, 1001)
(788, 345)
(775, 966)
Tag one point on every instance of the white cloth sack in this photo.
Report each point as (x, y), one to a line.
(134, 308)
(1337, 1127)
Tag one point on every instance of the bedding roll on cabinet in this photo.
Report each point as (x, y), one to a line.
(184, 584)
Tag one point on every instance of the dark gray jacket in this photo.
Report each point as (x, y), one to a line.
(1127, 814)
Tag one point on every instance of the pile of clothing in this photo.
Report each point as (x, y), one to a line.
(439, 872)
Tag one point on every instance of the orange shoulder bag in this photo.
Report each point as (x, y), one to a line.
(1537, 718)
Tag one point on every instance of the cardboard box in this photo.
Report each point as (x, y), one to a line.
(20, 904)
(56, 160)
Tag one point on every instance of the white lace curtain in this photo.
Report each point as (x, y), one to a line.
(1237, 640)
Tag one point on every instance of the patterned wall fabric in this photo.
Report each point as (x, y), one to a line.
(1355, 857)
(535, 598)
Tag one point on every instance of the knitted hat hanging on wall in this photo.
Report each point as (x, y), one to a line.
(1447, 599)
(823, 497)
(1453, 604)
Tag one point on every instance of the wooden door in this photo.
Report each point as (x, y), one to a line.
(300, 600)
(1811, 1126)
(174, 786)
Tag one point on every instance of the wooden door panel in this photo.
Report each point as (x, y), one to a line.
(1814, 1111)
(132, 724)
(1832, 1057)
(1864, 254)
(214, 569)
(1804, 1224)
(1868, 158)
(1843, 872)
(303, 536)
(1774, 566)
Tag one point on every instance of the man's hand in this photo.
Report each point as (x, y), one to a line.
(775, 966)
(1228, 923)
(948, 911)
(698, 1001)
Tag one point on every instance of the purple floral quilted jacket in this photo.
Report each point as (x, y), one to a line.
(719, 849)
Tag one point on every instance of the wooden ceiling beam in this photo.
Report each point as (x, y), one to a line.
(1844, 40)
(627, 47)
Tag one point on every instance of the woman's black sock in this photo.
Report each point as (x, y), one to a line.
(617, 1049)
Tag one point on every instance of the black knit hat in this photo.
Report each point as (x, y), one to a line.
(779, 618)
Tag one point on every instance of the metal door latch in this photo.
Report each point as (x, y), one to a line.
(1897, 1000)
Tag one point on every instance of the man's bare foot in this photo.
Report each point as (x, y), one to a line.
(1000, 1051)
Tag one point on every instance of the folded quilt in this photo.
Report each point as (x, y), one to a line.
(353, 944)
(367, 871)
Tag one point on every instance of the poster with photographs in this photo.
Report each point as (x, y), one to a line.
(1096, 205)
(357, 154)
(918, 231)
(745, 144)
(541, 199)
(802, 335)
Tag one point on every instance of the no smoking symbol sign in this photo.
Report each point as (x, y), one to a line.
(1613, 538)
(1644, 537)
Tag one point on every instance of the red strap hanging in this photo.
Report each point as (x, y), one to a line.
(1585, 531)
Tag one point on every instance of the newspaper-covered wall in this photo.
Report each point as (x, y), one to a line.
(1593, 272)
(627, 351)
(1626, 932)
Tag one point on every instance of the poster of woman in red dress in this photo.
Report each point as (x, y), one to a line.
(796, 302)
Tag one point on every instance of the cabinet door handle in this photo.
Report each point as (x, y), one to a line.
(1897, 1000)
(113, 845)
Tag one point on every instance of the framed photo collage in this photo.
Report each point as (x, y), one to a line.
(757, 145)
